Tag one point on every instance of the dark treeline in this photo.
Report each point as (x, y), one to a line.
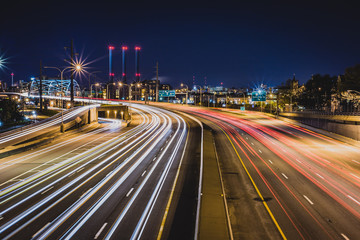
(324, 92)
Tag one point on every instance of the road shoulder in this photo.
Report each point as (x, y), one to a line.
(213, 222)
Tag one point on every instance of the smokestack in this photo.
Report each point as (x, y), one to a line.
(111, 74)
(137, 71)
(124, 49)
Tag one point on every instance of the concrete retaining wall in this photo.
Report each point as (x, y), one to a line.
(344, 127)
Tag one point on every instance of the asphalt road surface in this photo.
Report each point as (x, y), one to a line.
(283, 181)
(105, 182)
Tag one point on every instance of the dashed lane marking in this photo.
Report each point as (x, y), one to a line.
(320, 176)
(308, 199)
(99, 232)
(132, 189)
(284, 175)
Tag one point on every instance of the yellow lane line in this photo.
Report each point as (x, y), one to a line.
(256, 188)
(172, 191)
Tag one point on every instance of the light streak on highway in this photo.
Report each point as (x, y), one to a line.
(56, 180)
(39, 127)
(324, 163)
(91, 152)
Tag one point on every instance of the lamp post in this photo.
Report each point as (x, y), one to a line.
(244, 98)
(138, 85)
(96, 85)
(214, 98)
(107, 89)
(76, 67)
(129, 86)
(187, 90)
(200, 93)
(61, 93)
(90, 81)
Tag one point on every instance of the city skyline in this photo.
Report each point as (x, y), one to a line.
(239, 46)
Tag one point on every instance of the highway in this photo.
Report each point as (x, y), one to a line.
(283, 181)
(33, 130)
(104, 182)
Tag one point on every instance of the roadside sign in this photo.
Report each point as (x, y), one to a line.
(166, 93)
(258, 96)
(242, 108)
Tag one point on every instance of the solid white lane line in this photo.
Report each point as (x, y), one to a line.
(284, 175)
(345, 237)
(80, 169)
(354, 199)
(308, 200)
(99, 232)
(34, 236)
(320, 176)
(132, 189)
(271, 162)
(47, 190)
(356, 161)
(1, 218)
(260, 151)
(143, 173)
(154, 159)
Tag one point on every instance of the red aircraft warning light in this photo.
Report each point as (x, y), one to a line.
(111, 47)
(137, 48)
(124, 48)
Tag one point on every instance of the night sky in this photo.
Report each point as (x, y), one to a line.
(239, 44)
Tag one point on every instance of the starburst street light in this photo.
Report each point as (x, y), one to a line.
(2, 61)
(77, 68)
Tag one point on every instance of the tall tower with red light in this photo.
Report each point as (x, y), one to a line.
(124, 49)
(137, 68)
(111, 74)
(12, 79)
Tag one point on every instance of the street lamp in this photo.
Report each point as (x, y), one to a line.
(107, 89)
(61, 87)
(187, 90)
(90, 81)
(124, 84)
(138, 85)
(96, 85)
(200, 92)
(244, 98)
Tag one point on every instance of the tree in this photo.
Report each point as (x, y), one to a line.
(351, 79)
(9, 111)
(318, 90)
